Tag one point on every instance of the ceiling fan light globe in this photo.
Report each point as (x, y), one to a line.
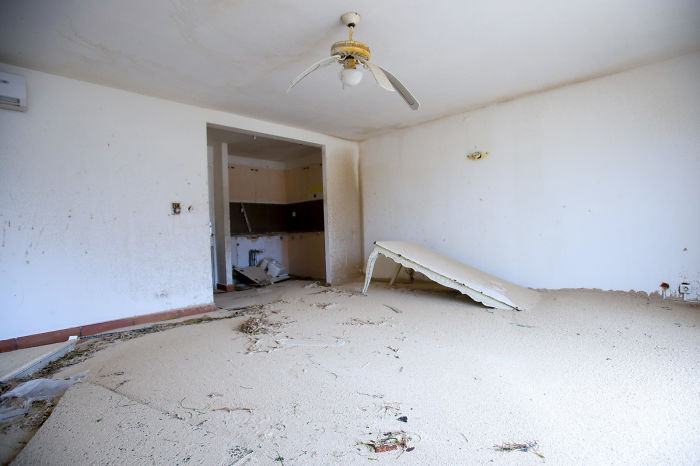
(351, 76)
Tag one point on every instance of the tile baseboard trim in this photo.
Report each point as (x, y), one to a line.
(57, 336)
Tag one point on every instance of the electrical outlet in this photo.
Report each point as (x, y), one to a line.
(176, 208)
(684, 288)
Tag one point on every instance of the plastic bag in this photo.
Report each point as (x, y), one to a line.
(32, 390)
(42, 389)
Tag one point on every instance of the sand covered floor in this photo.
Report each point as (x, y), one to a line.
(592, 377)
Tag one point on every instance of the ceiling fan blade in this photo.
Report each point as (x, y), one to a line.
(379, 75)
(407, 96)
(321, 63)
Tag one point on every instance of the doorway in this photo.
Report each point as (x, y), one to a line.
(267, 207)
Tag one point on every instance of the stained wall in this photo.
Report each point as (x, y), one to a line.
(593, 185)
(87, 178)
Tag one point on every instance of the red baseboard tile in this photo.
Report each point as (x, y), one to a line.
(47, 338)
(8, 345)
(101, 327)
(156, 317)
(223, 287)
(58, 336)
(190, 311)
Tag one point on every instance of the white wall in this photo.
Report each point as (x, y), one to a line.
(87, 176)
(591, 185)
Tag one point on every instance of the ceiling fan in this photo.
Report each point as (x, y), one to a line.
(350, 54)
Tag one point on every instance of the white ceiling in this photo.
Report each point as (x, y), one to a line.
(239, 55)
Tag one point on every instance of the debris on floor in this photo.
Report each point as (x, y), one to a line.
(356, 321)
(390, 408)
(267, 271)
(238, 453)
(253, 274)
(32, 390)
(390, 441)
(525, 447)
(480, 286)
(515, 324)
(398, 311)
(256, 325)
(331, 398)
(24, 408)
(323, 289)
(324, 306)
(230, 410)
(258, 345)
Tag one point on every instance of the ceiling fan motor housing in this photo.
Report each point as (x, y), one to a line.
(351, 49)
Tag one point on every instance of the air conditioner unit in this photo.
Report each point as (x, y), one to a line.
(13, 92)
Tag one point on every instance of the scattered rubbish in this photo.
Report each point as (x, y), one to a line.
(267, 271)
(236, 454)
(317, 342)
(17, 401)
(391, 409)
(10, 412)
(398, 311)
(276, 270)
(402, 418)
(199, 411)
(395, 350)
(229, 410)
(89, 345)
(256, 325)
(254, 274)
(323, 289)
(356, 321)
(212, 395)
(390, 441)
(370, 395)
(522, 325)
(525, 447)
(42, 389)
(383, 448)
(121, 383)
(478, 285)
(255, 346)
(324, 306)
